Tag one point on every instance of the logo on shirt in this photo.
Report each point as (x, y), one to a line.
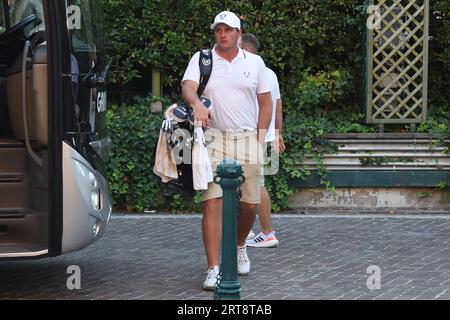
(206, 62)
(246, 74)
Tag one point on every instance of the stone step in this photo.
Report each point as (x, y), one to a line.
(384, 152)
(424, 164)
(397, 147)
(390, 154)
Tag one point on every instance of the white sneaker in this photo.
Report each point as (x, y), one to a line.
(243, 261)
(263, 240)
(251, 235)
(211, 279)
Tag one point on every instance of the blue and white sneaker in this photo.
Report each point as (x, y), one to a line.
(251, 235)
(263, 240)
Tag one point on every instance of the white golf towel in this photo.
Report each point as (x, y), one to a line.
(201, 165)
(165, 166)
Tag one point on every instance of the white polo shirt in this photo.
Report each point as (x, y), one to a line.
(233, 89)
(275, 91)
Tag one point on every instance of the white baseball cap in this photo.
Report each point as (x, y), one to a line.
(227, 17)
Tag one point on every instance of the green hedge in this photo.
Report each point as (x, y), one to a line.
(294, 35)
(134, 131)
(320, 35)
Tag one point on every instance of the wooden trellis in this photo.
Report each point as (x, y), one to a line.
(397, 62)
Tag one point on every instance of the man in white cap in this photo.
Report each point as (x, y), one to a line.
(236, 127)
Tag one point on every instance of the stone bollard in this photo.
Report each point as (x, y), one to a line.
(229, 176)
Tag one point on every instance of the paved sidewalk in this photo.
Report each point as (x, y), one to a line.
(320, 257)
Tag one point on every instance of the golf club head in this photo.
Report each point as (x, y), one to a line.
(181, 113)
(168, 114)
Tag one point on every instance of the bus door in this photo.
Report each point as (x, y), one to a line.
(79, 73)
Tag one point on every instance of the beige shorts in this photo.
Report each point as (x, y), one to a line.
(242, 146)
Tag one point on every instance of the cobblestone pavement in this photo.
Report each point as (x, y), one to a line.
(320, 257)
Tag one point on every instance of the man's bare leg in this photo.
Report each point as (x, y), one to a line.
(212, 230)
(264, 212)
(247, 216)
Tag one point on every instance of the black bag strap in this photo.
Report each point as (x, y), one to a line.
(206, 65)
